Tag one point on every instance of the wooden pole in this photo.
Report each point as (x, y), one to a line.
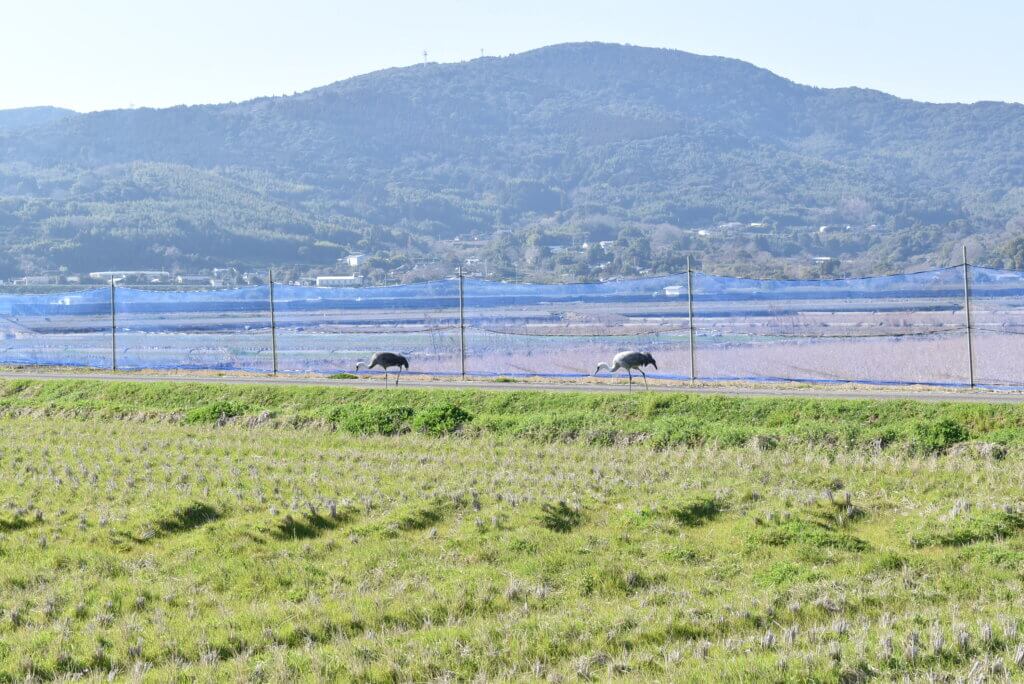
(113, 326)
(689, 319)
(462, 320)
(967, 310)
(273, 322)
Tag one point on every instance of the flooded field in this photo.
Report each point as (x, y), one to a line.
(900, 329)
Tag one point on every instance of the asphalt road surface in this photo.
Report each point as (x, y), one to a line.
(776, 390)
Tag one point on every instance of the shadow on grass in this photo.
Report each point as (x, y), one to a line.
(560, 517)
(420, 518)
(179, 521)
(697, 511)
(307, 527)
(968, 528)
(187, 518)
(810, 533)
(18, 523)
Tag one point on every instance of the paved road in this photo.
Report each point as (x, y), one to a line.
(974, 396)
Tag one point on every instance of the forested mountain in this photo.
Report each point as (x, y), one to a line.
(26, 117)
(587, 141)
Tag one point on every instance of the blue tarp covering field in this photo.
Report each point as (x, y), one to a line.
(908, 328)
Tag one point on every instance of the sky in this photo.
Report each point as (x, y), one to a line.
(104, 54)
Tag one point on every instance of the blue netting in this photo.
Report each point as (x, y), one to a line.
(897, 329)
(997, 311)
(566, 330)
(209, 330)
(331, 329)
(68, 329)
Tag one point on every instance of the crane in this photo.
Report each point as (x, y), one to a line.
(386, 360)
(631, 361)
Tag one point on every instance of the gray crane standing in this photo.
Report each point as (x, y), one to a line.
(631, 361)
(386, 360)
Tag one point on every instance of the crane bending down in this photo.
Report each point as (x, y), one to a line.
(631, 361)
(387, 360)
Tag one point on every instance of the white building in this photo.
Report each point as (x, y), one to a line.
(193, 280)
(147, 276)
(339, 281)
(355, 260)
(36, 280)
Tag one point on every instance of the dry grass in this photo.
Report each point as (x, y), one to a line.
(168, 550)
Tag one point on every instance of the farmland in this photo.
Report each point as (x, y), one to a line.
(903, 329)
(220, 532)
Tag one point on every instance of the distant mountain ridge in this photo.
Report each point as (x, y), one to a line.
(561, 137)
(25, 117)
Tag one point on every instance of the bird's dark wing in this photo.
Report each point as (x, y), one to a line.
(389, 359)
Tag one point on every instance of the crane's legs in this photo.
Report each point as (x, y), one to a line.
(398, 377)
(630, 379)
(645, 377)
(385, 378)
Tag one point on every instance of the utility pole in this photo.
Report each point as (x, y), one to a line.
(689, 319)
(113, 326)
(967, 310)
(462, 320)
(273, 322)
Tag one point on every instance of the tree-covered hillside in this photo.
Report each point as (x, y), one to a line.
(564, 144)
(26, 117)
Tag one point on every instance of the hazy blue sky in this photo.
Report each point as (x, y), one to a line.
(100, 54)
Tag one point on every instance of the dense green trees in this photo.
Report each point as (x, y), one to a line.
(583, 141)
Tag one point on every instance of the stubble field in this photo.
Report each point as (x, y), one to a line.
(277, 534)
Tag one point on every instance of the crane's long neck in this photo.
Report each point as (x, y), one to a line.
(604, 366)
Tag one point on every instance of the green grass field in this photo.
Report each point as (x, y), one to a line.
(253, 533)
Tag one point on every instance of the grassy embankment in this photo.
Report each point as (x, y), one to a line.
(233, 532)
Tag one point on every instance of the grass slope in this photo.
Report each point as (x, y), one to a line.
(658, 420)
(252, 533)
